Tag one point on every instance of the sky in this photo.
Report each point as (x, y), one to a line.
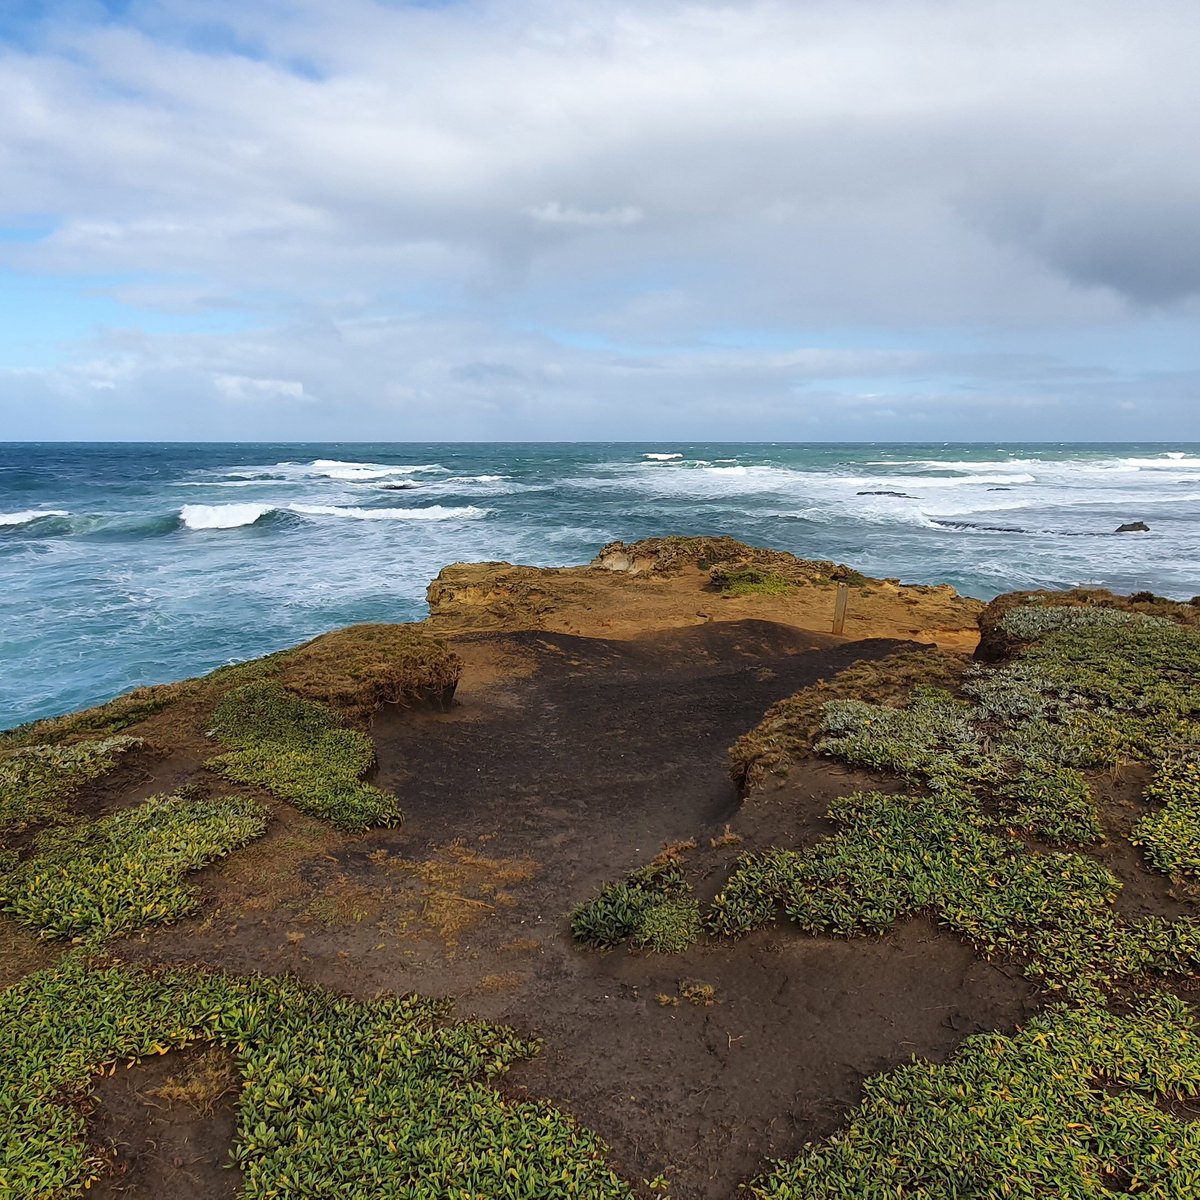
(547, 219)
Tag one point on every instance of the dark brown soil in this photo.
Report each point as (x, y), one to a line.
(538, 787)
(163, 1150)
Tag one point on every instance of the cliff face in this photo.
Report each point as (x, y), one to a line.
(668, 583)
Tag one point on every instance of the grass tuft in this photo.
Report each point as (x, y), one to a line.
(652, 908)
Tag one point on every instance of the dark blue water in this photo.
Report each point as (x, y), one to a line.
(139, 563)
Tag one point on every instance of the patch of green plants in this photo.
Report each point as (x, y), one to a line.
(750, 581)
(652, 908)
(947, 745)
(97, 878)
(37, 781)
(790, 728)
(896, 855)
(1170, 836)
(385, 1099)
(102, 721)
(1071, 1106)
(300, 751)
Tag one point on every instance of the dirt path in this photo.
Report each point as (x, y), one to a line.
(569, 761)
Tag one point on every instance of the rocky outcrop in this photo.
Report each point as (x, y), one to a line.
(636, 588)
(1133, 527)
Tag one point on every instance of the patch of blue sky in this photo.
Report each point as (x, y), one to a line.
(25, 22)
(44, 319)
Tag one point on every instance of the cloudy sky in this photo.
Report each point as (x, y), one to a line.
(805, 220)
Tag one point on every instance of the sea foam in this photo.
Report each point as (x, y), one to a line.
(222, 516)
(24, 518)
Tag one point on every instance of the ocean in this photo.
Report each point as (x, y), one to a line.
(141, 563)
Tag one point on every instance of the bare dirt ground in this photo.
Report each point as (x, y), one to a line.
(566, 762)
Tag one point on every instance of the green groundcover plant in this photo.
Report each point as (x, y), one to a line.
(1071, 1107)
(36, 782)
(101, 877)
(1170, 836)
(300, 751)
(895, 856)
(338, 1099)
(652, 908)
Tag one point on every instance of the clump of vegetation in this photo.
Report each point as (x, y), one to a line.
(1170, 836)
(895, 856)
(102, 721)
(97, 878)
(37, 781)
(740, 580)
(944, 744)
(337, 1099)
(997, 643)
(652, 908)
(358, 669)
(1072, 1105)
(790, 728)
(203, 1082)
(300, 751)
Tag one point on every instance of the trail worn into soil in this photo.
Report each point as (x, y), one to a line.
(566, 762)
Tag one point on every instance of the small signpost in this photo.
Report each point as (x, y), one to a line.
(839, 607)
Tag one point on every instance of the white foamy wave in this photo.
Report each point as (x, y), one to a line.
(435, 512)
(222, 516)
(24, 518)
(332, 468)
(1172, 462)
(662, 457)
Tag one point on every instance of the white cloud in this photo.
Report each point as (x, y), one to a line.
(242, 388)
(918, 168)
(554, 213)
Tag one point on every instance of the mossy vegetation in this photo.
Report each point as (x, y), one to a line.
(38, 781)
(337, 1098)
(1074, 1105)
(652, 908)
(96, 878)
(1170, 836)
(299, 751)
(358, 669)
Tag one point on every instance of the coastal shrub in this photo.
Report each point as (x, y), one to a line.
(102, 877)
(652, 908)
(385, 1099)
(1170, 836)
(37, 781)
(1073, 1105)
(790, 727)
(749, 581)
(299, 751)
(895, 856)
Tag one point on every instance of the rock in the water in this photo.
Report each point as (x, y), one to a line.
(999, 489)
(900, 495)
(1133, 527)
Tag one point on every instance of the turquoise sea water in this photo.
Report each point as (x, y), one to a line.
(139, 563)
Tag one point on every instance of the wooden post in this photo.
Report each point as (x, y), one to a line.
(839, 607)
